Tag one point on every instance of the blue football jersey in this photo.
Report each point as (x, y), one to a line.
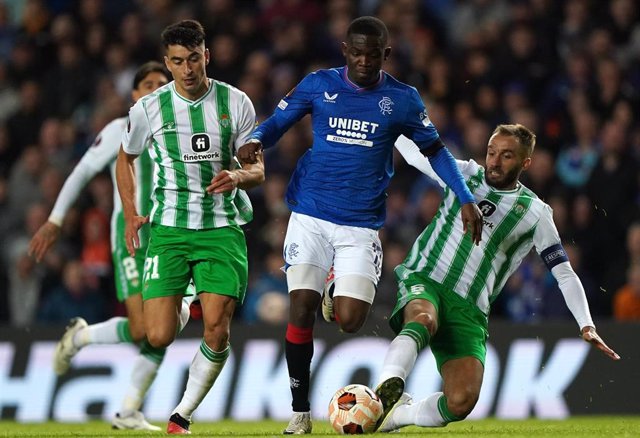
(342, 178)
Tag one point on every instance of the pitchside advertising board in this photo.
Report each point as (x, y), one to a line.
(543, 371)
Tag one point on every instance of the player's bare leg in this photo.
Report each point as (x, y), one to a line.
(217, 311)
(350, 313)
(161, 318)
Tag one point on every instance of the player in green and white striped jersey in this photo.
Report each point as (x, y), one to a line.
(127, 270)
(194, 126)
(447, 284)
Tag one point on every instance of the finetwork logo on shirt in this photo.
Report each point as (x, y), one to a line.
(200, 145)
(385, 105)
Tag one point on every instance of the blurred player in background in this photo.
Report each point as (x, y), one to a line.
(447, 285)
(337, 192)
(195, 125)
(127, 269)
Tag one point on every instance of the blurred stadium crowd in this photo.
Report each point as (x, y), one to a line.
(569, 70)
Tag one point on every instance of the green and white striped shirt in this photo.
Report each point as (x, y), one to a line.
(191, 141)
(103, 152)
(514, 222)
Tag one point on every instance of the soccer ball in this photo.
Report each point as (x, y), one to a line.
(354, 409)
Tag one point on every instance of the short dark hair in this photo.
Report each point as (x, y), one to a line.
(145, 69)
(368, 25)
(526, 138)
(186, 33)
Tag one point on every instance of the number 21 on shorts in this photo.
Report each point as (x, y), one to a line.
(151, 268)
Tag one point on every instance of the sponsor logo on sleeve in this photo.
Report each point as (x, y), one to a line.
(424, 118)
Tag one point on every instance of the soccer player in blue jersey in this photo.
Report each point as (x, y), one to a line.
(337, 192)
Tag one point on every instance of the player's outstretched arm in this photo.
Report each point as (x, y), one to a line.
(590, 335)
(44, 238)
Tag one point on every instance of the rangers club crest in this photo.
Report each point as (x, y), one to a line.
(385, 105)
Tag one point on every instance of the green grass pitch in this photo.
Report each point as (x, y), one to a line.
(600, 427)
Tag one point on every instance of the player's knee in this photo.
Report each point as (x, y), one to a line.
(427, 320)
(160, 338)
(461, 403)
(350, 323)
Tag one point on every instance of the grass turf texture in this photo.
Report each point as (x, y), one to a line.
(627, 426)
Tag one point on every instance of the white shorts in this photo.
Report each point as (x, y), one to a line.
(350, 250)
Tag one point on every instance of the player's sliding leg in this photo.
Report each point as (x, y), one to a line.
(209, 360)
(412, 337)
(462, 383)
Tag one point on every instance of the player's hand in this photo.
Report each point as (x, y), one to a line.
(132, 239)
(589, 334)
(44, 238)
(472, 221)
(225, 181)
(248, 152)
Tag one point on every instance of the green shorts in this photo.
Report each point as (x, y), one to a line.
(128, 272)
(462, 327)
(216, 260)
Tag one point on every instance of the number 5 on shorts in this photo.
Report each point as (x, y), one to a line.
(151, 268)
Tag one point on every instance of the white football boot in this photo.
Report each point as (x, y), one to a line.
(327, 300)
(133, 421)
(388, 424)
(300, 424)
(65, 350)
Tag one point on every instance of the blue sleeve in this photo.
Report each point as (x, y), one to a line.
(446, 168)
(291, 108)
(417, 125)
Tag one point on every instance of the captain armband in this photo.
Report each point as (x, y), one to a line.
(554, 255)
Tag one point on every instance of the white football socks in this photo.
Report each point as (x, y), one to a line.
(102, 333)
(424, 413)
(144, 372)
(400, 358)
(203, 372)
